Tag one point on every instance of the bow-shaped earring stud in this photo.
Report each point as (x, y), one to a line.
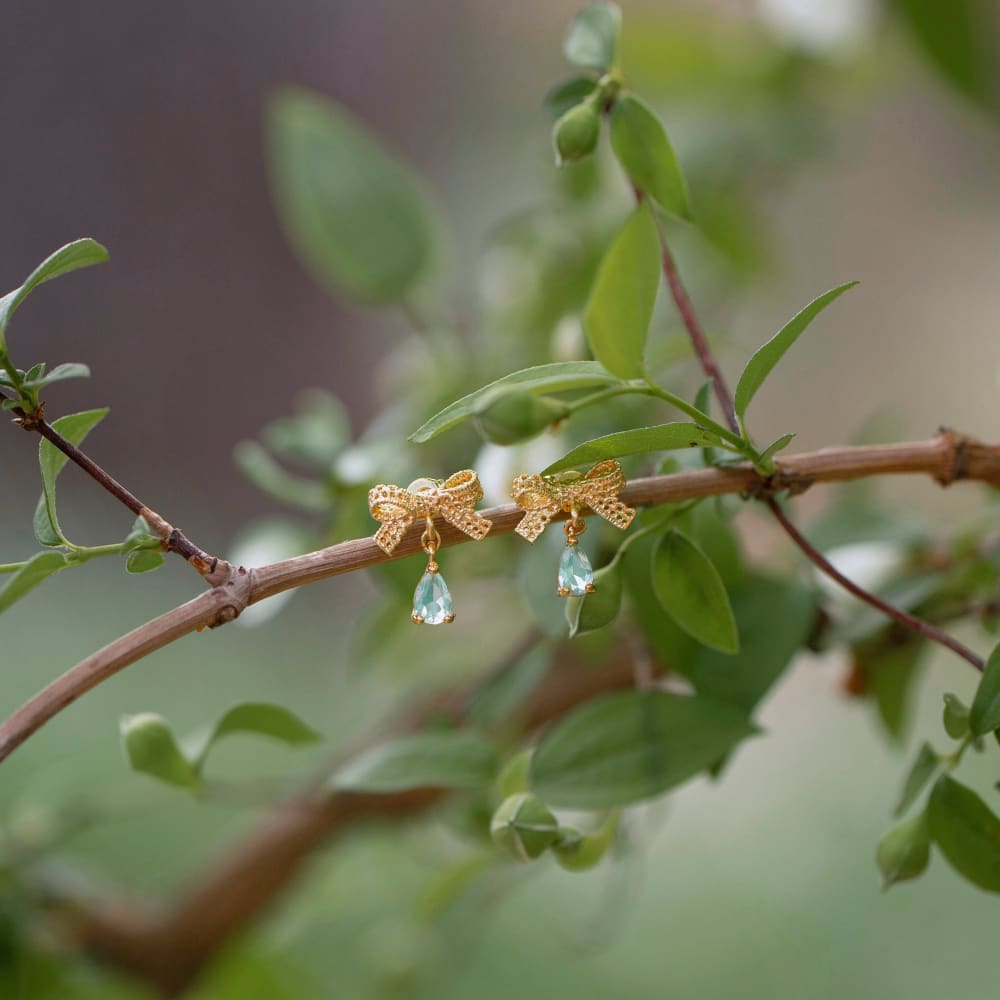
(542, 497)
(454, 499)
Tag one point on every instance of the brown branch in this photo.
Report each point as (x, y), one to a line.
(214, 570)
(945, 458)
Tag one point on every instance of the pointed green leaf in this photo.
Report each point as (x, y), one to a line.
(766, 357)
(592, 38)
(623, 748)
(926, 763)
(778, 444)
(663, 437)
(74, 427)
(79, 253)
(904, 851)
(151, 748)
(984, 716)
(358, 218)
(70, 369)
(558, 377)
(967, 832)
(644, 151)
(257, 718)
(593, 611)
(270, 477)
(621, 302)
(691, 591)
(446, 759)
(143, 560)
(37, 569)
(568, 94)
(956, 717)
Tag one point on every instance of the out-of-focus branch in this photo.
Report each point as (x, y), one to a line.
(946, 458)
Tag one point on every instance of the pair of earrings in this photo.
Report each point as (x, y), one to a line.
(454, 499)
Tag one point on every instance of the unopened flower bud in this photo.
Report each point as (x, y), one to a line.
(524, 826)
(575, 135)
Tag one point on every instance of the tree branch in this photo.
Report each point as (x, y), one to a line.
(946, 458)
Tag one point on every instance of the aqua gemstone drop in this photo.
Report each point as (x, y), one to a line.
(432, 600)
(575, 572)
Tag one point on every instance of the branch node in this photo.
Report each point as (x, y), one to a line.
(780, 481)
(236, 582)
(956, 456)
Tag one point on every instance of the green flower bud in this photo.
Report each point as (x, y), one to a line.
(517, 416)
(577, 851)
(904, 851)
(575, 135)
(524, 826)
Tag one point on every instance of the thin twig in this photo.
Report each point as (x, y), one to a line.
(946, 458)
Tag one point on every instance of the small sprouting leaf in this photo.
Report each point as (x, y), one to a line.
(575, 134)
(926, 763)
(79, 253)
(593, 611)
(689, 588)
(984, 716)
(445, 759)
(592, 38)
(257, 718)
(644, 151)
(37, 569)
(766, 357)
(256, 463)
(150, 746)
(779, 444)
(524, 826)
(626, 747)
(558, 377)
(967, 832)
(74, 427)
(143, 560)
(70, 369)
(621, 301)
(663, 437)
(904, 851)
(357, 217)
(956, 717)
(517, 416)
(568, 94)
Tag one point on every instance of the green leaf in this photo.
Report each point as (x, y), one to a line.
(150, 747)
(37, 569)
(663, 437)
(926, 763)
(762, 363)
(593, 611)
(959, 40)
(70, 369)
(558, 377)
(74, 427)
(644, 151)
(446, 759)
(956, 717)
(143, 560)
(892, 678)
(967, 832)
(904, 851)
(691, 591)
(984, 715)
(500, 696)
(257, 718)
(357, 217)
(621, 302)
(778, 444)
(577, 852)
(568, 94)
(256, 463)
(592, 38)
(517, 416)
(79, 253)
(627, 747)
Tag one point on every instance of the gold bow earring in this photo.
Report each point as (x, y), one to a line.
(542, 497)
(454, 499)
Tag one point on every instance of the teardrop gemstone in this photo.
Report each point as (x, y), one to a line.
(432, 601)
(576, 577)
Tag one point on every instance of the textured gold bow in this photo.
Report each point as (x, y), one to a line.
(544, 496)
(454, 500)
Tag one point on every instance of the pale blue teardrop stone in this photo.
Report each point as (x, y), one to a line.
(432, 600)
(575, 572)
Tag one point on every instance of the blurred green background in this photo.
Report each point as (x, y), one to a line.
(825, 142)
